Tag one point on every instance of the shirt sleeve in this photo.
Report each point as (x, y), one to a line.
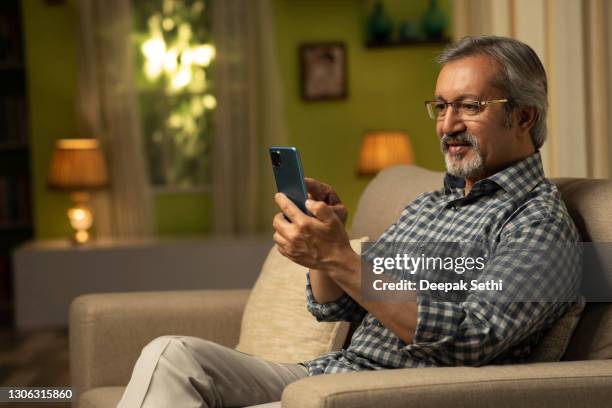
(532, 265)
(342, 309)
(346, 308)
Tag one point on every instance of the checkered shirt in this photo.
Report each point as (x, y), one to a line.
(516, 206)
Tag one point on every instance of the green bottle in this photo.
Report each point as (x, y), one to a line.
(434, 22)
(379, 26)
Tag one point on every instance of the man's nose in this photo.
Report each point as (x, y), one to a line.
(451, 122)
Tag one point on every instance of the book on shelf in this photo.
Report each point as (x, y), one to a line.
(5, 277)
(11, 45)
(15, 200)
(13, 120)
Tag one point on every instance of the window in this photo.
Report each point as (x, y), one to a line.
(174, 56)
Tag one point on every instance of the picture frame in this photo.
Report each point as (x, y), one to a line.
(323, 71)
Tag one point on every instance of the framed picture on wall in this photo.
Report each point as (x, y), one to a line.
(323, 71)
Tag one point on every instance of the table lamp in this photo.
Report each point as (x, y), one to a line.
(78, 166)
(380, 149)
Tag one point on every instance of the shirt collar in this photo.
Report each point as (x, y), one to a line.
(519, 178)
(452, 182)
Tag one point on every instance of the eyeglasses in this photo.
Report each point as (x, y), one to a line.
(437, 109)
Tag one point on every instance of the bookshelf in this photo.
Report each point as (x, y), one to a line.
(15, 176)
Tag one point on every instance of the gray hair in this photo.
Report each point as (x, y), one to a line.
(522, 75)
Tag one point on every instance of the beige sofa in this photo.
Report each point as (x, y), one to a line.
(107, 331)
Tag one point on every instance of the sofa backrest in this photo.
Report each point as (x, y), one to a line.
(386, 196)
(588, 201)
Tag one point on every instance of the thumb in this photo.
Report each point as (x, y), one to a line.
(321, 210)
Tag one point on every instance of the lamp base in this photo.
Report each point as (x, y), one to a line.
(81, 218)
(81, 237)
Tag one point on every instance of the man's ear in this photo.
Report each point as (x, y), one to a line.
(526, 118)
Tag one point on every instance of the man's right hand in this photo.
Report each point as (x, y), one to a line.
(323, 192)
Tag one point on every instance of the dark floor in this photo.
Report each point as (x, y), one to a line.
(34, 359)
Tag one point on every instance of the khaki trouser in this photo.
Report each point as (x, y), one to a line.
(179, 371)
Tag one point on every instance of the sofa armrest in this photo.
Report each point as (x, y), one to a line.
(572, 383)
(108, 331)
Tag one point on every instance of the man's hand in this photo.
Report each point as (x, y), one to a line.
(321, 244)
(319, 191)
(318, 242)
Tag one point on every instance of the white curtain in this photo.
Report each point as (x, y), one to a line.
(248, 115)
(108, 110)
(571, 39)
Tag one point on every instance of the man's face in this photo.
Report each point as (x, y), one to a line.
(476, 146)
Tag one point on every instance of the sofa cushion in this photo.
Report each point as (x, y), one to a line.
(556, 339)
(276, 324)
(593, 337)
(587, 201)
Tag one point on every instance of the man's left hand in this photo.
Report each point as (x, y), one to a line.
(318, 242)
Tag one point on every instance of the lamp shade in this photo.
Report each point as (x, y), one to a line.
(77, 164)
(383, 149)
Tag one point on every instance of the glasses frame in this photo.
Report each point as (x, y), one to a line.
(455, 106)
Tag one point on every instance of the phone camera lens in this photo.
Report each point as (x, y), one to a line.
(276, 158)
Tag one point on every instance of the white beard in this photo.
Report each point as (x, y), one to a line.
(457, 165)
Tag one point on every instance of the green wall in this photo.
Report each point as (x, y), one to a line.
(387, 87)
(50, 52)
(386, 90)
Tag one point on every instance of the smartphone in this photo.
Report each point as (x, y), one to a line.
(289, 175)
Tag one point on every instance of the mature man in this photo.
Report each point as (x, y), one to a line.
(490, 112)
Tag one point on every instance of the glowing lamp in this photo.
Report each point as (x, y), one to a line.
(382, 149)
(78, 166)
